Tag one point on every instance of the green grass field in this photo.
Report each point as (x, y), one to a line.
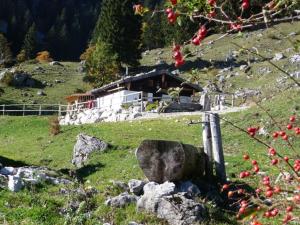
(27, 139)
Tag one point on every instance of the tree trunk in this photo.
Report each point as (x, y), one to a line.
(170, 161)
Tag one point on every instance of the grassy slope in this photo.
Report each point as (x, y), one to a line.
(56, 93)
(27, 139)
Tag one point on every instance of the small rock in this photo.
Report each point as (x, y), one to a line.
(295, 58)
(136, 186)
(189, 188)
(278, 56)
(55, 63)
(8, 171)
(40, 93)
(121, 200)
(121, 185)
(15, 183)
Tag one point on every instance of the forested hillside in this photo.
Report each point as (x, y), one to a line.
(62, 27)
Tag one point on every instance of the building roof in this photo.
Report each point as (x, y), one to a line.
(142, 76)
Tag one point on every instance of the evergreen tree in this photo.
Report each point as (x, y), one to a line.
(5, 52)
(118, 26)
(30, 42)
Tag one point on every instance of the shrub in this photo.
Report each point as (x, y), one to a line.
(43, 57)
(21, 57)
(54, 126)
(151, 106)
(8, 79)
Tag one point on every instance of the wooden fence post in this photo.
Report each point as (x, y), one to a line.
(40, 110)
(3, 110)
(59, 110)
(23, 110)
(217, 146)
(207, 144)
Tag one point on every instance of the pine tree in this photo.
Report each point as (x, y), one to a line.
(118, 26)
(5, 52)
(30, 42)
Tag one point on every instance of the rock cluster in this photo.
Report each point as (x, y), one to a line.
(173, 203)
(20, 78)
(84, 146)
(88, 116)
(17, 178)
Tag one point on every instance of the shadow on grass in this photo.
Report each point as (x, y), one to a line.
(9, 162)
(82, 173)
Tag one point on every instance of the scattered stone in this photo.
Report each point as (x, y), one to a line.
(278, 56)
(295, 58)
(121, 185)
(160, 53)
(121, 200)
(15, 183)
(55, 63)
(84, 146)
(136, 186)
(176, 208)
(41, 93)
(133, 223)
(296, 74)
(189, 188)
(8, 171)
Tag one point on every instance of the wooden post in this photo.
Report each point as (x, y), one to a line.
(23, 110)
(142, 105)
(206, 134)
(217, 146)
(3, 110)
(59, 110)
(232, 101)
(40, 110)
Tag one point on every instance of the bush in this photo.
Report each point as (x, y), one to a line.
(8, 79)
(54, 126)
(151, 106)
(21, 57)
(43, 57)
(102, 65)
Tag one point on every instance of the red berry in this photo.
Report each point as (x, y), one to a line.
(256, 169)
(230, 194)
(285, 137)
(225, 187)
(241, 191)
(176, 48)
(272, 151)
(274, 161)
(267, 214)
(258, 190)
(179, 62)
(297, 199)
(244, 204)
(242, 210)
(289, 209)
(275, 135)
(277, 189)
(196, 41)
(177, 55)
(289, 126)
(211, 2)
(212, 14)
(286, 158)
(274, 212)
(254, 162)
(168, 10)
(293, 118)
(245, 5)
(174, 2)
(246, 157)
(282, 133)
(242, 175)
(269, 194)
(202, 32)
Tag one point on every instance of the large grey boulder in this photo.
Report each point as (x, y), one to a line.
(164, 201)
(84, 146)
(121, 200)
(170, 161)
